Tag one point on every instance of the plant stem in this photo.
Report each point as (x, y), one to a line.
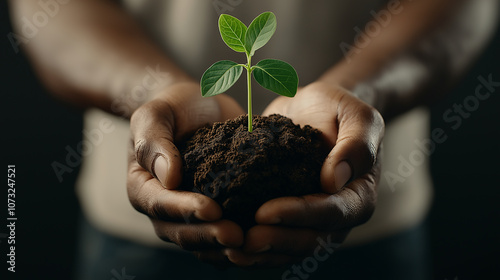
(249, 84)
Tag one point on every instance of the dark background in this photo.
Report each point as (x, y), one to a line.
(35, 131)
(464, 220)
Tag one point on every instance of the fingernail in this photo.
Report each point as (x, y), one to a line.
(223, 243)
(160, 169)
(239, 258)
(342, 174)
(264, 249)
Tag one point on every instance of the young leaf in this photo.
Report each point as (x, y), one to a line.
(233, 32)
(220, 77)
(277, 76)
(259, 32)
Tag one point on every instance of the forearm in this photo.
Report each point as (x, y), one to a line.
(416, 56)
(92, 53)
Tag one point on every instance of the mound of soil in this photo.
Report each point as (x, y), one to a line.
(241, 170)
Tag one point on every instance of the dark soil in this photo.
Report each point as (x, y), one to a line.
(241, 170)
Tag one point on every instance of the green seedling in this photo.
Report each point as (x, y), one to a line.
(272, 74)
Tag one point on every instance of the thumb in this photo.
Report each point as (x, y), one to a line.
(152, 136)
(360, 132)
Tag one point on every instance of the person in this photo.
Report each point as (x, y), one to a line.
(135, 66)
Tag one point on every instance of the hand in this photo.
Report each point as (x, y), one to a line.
(191, 220)
(292, 228)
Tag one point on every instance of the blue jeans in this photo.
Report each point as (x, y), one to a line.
(102, 256)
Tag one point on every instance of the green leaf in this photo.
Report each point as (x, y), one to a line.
(220, 77)
(233, 32)
(277, 76)
(260, 32)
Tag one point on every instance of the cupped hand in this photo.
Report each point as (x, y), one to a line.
(292, 228)
(191, 220)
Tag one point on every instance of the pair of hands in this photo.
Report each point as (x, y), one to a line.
(289, 227)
